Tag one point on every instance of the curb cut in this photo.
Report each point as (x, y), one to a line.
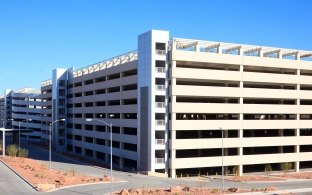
(20, 176)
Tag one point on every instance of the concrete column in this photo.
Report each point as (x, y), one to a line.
(279, 54)
(297, 133)
(3, 143)
(219, 50)
(107, 158)
(197, 47)
(260, 53)
(297, 57)
(172, 173)
(240, 51)
(83, 152)
(226, 150)
(297, 150)
(297, 166)
(281, 134)
(200, 136)
(241, 117)
(240, 171)
(173, 156)
(121, 163)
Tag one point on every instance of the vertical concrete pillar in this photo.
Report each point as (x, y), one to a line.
(219, 49)
(279, 54)
(297, 57)
(3, 143)
(226, 150)
(260, 53)
(240, 171)
(240, 51)
(173, 156)
(297, 166)
(297, 150)
(197, 47)
(173, 173)
(107, 158)
(281, 134)
(297, 133)
(121, 163)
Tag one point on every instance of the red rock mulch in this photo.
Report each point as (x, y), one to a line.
(189, 190)
(250, 178)
(300, 175)
(37, 174)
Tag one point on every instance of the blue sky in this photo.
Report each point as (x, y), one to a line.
(37, 36)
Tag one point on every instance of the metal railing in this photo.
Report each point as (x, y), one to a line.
(160, 52)
(160, 69)
(46, 83)
(160, 104)
(160, 87)
(160, 160)
(160, 122)
(118, 60)
(160, 141)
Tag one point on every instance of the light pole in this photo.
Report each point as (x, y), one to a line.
(222, 160)
(19, 131)
(3, 138)
(3, 143)
(50, 140)
(111, 150)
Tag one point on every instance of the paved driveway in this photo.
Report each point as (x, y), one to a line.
(11, 184)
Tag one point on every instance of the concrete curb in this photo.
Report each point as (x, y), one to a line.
(303, 190)
(81, 162)
(20, 176)
(77, 185)
(56, 189)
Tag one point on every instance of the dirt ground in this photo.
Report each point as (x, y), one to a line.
(43, 178)
(250, 178)
(271, 177)
(179, 190)
(292, 175)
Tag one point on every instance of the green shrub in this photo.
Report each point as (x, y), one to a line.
(287, 166)
(1, 145)
(22, 152)
(12, 150)
(72, 172)
(235, 170)
(268, 169)
(215, 190)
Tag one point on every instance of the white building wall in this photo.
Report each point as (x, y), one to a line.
(59, 87)
(260, 70)
(147, 55)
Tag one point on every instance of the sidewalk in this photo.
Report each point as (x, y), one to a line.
(290, 191)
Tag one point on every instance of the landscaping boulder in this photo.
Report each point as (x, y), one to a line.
(135, 191)
(268, 189)
(233, 189)
(175, 189)
(124, 192)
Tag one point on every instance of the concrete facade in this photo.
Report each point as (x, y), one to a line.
(21, 110)
(176, 104)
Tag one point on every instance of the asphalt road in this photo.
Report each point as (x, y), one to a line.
(12, 184)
